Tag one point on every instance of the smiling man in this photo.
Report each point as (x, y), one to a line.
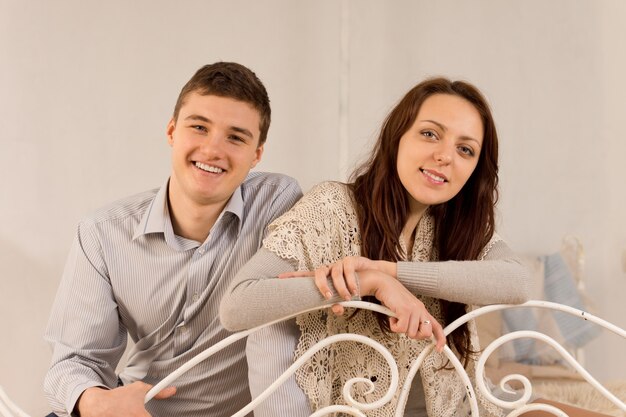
(154, 266)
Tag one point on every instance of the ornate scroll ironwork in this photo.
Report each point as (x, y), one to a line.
(355, 408)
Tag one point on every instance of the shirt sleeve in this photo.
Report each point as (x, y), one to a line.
(84, 331)
(499, 278)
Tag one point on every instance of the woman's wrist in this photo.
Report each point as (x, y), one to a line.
(367, 286)
(389, 268)
(371, 280)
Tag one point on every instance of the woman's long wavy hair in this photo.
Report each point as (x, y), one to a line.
(463, 225)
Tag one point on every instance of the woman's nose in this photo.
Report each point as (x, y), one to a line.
(443, 156)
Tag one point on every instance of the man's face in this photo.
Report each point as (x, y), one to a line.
(214, 145)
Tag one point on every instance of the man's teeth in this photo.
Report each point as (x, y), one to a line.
(433, 176)
(209, 168)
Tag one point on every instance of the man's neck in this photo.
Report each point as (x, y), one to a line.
(191, 220)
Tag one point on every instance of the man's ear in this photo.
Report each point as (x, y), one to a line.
(259, 154)
(170, 131)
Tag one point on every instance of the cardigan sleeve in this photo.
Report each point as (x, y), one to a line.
(257, 296)
(318, 230)
(499, 278)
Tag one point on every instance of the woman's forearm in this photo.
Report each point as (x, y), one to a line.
(499, 278)
(256, 296)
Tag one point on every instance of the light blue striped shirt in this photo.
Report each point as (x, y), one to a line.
(129, 274)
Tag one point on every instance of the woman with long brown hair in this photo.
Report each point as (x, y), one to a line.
(412, 230)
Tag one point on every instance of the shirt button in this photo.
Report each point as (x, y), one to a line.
(195, 297)
(201, 250)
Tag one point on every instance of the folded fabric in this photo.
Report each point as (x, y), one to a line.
(559, 286)
(524, 349)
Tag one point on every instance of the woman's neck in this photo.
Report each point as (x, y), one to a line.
(408, 231)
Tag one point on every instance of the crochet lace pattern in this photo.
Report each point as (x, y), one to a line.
(319, 230)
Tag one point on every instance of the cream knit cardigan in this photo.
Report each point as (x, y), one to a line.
(321, 229)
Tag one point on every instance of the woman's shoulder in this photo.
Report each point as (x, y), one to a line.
(326, 188)
(329, 196)
(314, 231)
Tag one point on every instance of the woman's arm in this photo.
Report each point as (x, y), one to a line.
(500, 278)
(256, 296)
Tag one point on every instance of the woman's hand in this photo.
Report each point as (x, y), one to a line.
(411, 318)
(343, 274)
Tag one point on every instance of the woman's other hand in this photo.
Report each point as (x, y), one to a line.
(343, 275)
(376, 278)
(411, 316)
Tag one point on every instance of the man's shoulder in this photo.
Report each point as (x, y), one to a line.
(268, 195)
(270, 181)
(133, 205)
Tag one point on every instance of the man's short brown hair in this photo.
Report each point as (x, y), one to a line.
(232, 80)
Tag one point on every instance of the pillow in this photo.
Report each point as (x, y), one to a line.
(531, 351)
(551, 279)
(560, 287)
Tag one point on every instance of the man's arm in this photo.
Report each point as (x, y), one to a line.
(84, 330)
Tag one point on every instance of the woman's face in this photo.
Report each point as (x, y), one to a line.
(439, 152)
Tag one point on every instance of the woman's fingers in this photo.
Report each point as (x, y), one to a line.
(425, 330)
(394, 326)
(342, 273)
(349, 273)
(321, 281)
(440, 337)
(339, 281)
(337, 309)
(414, 329)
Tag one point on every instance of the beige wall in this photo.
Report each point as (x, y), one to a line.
(87, 89)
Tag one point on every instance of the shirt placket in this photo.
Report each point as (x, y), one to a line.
(201, 270)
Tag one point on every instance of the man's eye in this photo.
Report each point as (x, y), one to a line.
(236, 138)
(199, 128)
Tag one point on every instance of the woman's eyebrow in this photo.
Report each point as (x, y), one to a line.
(443, 127)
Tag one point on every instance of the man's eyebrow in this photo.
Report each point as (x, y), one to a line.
(237, 129)
(197, 117)
(243, 131)
(442, 127)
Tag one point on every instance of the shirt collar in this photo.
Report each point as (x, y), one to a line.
(157, 214)
(153, 220)
(235, 205)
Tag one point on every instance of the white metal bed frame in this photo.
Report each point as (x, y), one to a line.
(355, 408)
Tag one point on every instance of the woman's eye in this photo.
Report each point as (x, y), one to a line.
(429, 134)
(466, 150)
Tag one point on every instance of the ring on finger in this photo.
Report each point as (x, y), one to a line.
(426, 322)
